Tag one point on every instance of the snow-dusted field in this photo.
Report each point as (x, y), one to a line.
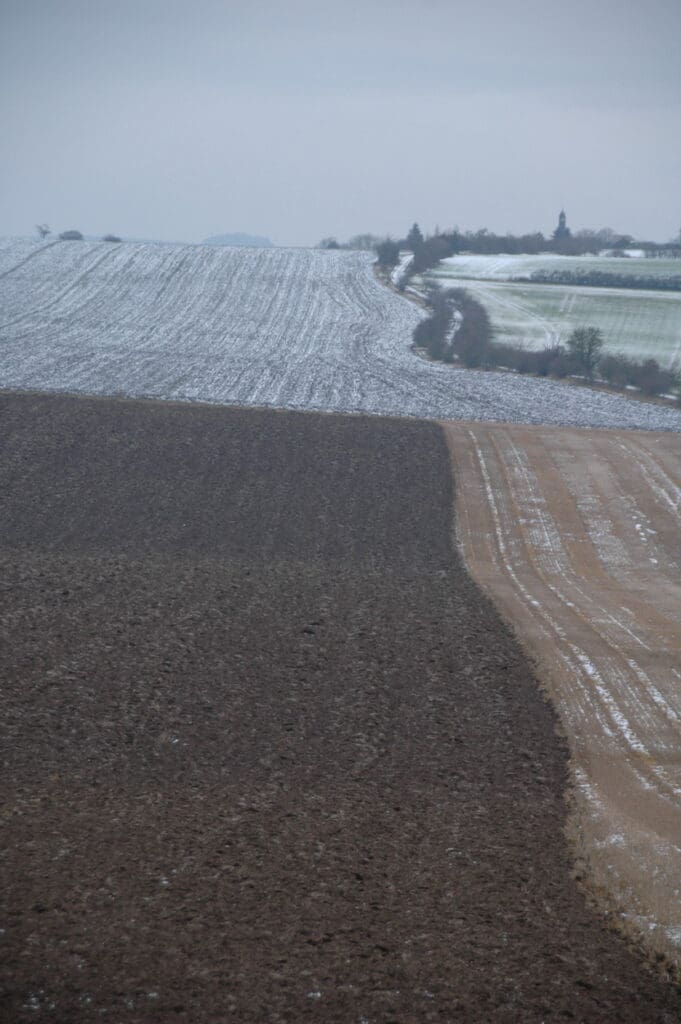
(640, 324)
(504, 267)
(14, 251)
(294, 328)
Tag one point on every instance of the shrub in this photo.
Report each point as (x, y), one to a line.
(616, 369)
(71, 236)
(472, 341)
(388, 253)
(112, 238)
(544, 362)
(651, 379)
(562, 365)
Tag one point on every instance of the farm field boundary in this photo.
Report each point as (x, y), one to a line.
(268, 753)
(574, 535)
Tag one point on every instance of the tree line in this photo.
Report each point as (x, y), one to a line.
(442, 244)
(72, 235)
(458, 330)
(602, 279)
(429, 250)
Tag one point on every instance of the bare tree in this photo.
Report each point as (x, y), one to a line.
(367, 242)
(584, 345)
(43, 230)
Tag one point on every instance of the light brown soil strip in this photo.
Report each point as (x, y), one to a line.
(576, 536)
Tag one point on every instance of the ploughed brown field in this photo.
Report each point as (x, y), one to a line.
(268, 754)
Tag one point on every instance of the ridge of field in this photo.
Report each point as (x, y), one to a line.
(268, 753)
(291, 328)
(639, 324)
(575, 537)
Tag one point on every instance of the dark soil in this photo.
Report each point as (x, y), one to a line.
(268, 755)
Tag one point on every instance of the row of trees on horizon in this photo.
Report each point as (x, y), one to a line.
(429, 250)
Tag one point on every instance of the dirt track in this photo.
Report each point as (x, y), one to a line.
(576, 537)
(268, 754)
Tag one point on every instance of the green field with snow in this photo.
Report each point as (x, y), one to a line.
(502, 267)
(640, 324)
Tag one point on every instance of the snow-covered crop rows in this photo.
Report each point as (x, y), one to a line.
(14, 251)
(294, 328)
(640, 324)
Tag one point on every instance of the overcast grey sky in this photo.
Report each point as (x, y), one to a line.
(178, 119)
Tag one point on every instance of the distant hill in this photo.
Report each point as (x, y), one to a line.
(238, 238)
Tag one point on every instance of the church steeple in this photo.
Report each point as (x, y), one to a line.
(562, 231)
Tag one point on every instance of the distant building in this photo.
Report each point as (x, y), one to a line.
(562, 231)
